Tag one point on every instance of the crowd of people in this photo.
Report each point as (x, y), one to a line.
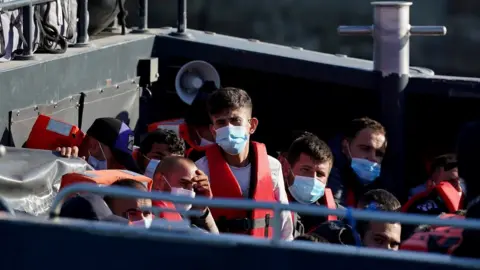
(209, 154)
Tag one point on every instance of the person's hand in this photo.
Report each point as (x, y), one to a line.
(201, 186)
(68, 152)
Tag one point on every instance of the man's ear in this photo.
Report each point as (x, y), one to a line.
(212, 130)
(253, 125)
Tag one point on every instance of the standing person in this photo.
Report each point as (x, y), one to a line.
(240, 168)
(358, 161)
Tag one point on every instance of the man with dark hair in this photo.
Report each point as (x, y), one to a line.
(310, 161)
(240, 168)
(358, 161)
(129, 208)
(371, 234)
(157, 145)
(442, 168)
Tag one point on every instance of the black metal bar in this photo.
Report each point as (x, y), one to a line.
(82, 25)
(27, 16)
(21, 3)
(181, 20)
(143, 14)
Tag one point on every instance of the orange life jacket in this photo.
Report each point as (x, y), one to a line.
(171, 216)
(48, 134)
(449, 195)
(440, 239)
(104, 178)
(181, 128)
(224, 184)
(351, 200)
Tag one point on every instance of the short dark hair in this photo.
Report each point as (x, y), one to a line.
(228, 98)
(377, 200)
(128, 183)
(312, 146)
(176, 145)
(311, 237)
(359, 124)
(447, 161)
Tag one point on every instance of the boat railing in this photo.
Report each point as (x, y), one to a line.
(250, 204)
(27, 7)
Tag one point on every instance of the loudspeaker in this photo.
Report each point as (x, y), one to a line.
(191, 77)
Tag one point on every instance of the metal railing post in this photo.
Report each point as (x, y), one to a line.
(143, 14)
(181, 20)
(82, 25)
(391, 32)
(27, 16)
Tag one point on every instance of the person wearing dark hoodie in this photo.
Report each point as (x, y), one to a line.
(358, 156)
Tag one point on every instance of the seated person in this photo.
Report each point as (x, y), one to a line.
(443, 193)
(372, 234)
(180, 176)
(282, 154)
(310, 161)
(157, 145)
(311, 237)
(358, 161)
(129, 208)
(89, 207)
(443, 168)
(107, 145)
(240, 168)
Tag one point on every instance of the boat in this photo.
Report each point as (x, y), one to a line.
(133, 77)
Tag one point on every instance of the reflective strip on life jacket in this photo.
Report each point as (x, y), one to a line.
(170, 216)
(224, 184)
(104, 178)
(440, 240)
(49, 134)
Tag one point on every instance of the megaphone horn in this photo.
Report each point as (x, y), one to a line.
(191, 77)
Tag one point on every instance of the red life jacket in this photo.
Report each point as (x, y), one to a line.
(449, 195)
(170, 216)
(351, 200)
(440, 239)
(182, 130)
(328, 201)
(224, 184)
(48, 134)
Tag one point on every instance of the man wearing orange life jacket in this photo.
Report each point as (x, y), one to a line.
(239, 168)
(195, 127)
(107, 145)
(358, 160)
(310, 161)
(155, 146)
(179, 176)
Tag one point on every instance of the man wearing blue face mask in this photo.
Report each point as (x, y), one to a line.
(310, 161)
(240, 168)
(358, 158)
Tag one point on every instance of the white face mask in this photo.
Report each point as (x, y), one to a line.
(181, 192)
(98, 164)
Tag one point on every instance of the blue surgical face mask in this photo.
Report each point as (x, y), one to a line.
(98, 164)
(232, 139)
(306, 190)
(366, 170)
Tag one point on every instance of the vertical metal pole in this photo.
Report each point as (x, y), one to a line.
(181, 20)
(143, 14)
(82, 25)
(391, 61)
(27, 16)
